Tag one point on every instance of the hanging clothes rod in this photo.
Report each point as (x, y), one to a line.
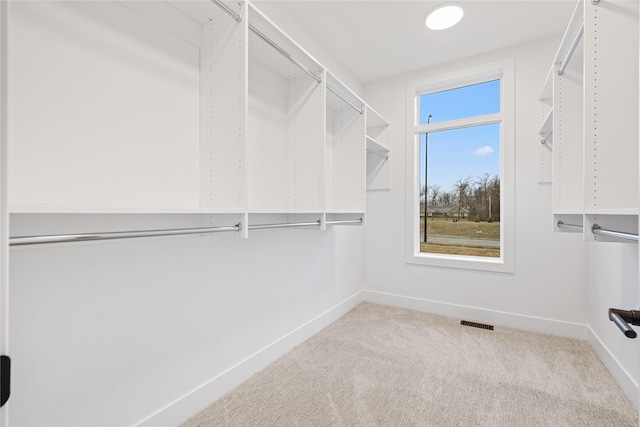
(285, 54)
(546, 138)
(344, 221)
(270, 42)
(622, 235)
(572, 49)
(112, 235)
(341, 96)
(562, 224)
(284, 225)
(228, 10)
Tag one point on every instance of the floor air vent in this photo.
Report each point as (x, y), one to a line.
(477, 325)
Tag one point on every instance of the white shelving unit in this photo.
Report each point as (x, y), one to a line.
(192, 114)
(378, 163)
(545, 149)
(345, 149)
(595, 122)
(285, 133)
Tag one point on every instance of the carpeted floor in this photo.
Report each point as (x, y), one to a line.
(386, 366)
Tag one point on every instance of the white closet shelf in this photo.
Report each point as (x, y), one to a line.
(345, 212)
(375, 146)
(375, 120)
(340, 96)
(568, 212)
(546, 95)
(547, 127)
(285, 211)
(624, 211)
(123, 210)
(201, 12)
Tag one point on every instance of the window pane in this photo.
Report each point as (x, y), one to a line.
(462, 191)
(467, 101)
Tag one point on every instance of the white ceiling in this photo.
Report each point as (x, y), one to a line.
(378, 39)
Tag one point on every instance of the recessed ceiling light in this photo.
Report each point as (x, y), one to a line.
(444, 17)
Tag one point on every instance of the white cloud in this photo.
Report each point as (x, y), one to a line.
(483, 151)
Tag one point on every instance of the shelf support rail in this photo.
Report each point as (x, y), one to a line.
(341, 96)
(285, 54)
(112, 235)
(622, 235)
(228, 10)
(572, 49)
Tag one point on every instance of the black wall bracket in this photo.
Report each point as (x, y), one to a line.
(5, 379)
(622, 319)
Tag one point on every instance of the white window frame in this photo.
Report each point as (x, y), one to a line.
(503, 70)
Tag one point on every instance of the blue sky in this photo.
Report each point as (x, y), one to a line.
(461, 152)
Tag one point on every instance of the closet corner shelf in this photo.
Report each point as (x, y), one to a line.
(374, 119)
(284, 211)
(547, 127)
(624, 211)
(569, 212)
(116, 210)
(546, 95)
(375, 146)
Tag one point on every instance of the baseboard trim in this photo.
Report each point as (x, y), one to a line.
(191, 403)
(481, 315)
(618, 372)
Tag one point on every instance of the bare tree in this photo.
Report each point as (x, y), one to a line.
(482, 193)
(434, 191)
(462, 188)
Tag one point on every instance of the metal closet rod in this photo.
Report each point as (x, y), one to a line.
(562, 224)
(270, 42)
(622, 235)
(596, 229)
(546, 138)
(341, 96)
(113, 235)
(572, 49)
(285, 54)
(228, 10)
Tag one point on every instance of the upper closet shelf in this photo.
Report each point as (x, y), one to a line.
(376, 147)
(612, 212)
(546, 95)
(116, 210)
(340, 96)
(546, 131)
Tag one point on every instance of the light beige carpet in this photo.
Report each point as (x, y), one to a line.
(385, 366)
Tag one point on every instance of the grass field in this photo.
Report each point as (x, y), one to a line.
(478, 232)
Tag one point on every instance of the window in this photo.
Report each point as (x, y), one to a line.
(460, 207)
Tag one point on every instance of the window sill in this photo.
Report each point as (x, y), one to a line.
(495, 265)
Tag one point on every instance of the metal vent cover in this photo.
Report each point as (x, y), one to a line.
(476, 325)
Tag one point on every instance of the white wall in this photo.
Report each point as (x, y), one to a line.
(549, 280)
(612, 278)
(109, 333)
(561, 285)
